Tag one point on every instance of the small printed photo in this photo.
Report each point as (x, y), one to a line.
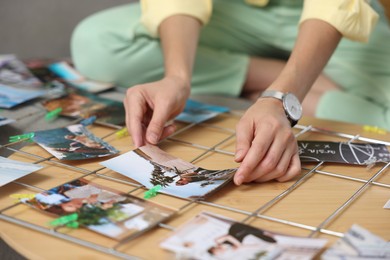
(11, 96)
(11, 170)
(14, 72)
(101, 209)
(210, 236)
(107, 111)
(73, 77)
(73, 142)
(150, 166)
(5, 120)
(358, 243)
(341, 152)
(197, 112)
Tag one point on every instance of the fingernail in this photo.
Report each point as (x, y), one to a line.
(238, 155)
(152, 138)
(238, 180)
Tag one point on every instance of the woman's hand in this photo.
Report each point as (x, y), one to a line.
(150, 106)
(266, 145)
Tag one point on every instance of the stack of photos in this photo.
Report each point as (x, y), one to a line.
(77, 104)
(11, 170)
(17, 83)
(150, 166)
(10, 96)
(14, 72)
(73, 142)
(358, 244)
(197, 112)
(340, 152)
(210, 236)
(101, 209)
(73, 77)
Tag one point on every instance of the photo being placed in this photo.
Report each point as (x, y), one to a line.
(73, 142)
(101, 209)
(151, 166)
(210, 236)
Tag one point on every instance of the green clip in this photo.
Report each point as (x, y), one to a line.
(51, 115)
(152, 192)
(122, 133)
(24, 137)
(68, 220)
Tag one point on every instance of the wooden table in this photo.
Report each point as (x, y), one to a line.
(324, 201)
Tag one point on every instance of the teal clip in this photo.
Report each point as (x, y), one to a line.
(51, 115)
(24, 137)
(152, 192)
(68, 220)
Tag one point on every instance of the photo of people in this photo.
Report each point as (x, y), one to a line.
(196, 112)
(210, 236)
(73, 142)
(11, 170)
(101, 209)
(77, 104)
(151, 166)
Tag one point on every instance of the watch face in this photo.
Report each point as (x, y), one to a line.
(292, 106)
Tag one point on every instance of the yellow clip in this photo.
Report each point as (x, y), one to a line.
(19, 196)
(122, 133)
(374, 129)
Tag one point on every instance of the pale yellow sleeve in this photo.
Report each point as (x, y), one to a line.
(354, 19)
(156, 11)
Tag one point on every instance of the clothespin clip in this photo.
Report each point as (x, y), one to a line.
(374, 129)
(370, 162)
(24, 137)
(52, 115)
(21, 196)
(88, 121)
(152, 192)
(68, 220)
(122, 133)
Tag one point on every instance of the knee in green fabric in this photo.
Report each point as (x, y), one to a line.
(342, 106)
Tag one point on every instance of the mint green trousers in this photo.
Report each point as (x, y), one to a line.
(113, 46)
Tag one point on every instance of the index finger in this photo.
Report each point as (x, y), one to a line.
(134, 118)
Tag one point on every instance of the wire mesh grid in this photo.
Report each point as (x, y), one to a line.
(266, 210)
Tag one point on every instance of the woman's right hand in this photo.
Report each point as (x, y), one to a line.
(150, 106)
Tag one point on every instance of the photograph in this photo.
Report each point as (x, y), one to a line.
(14, 72)
(341, 152)
(73, 77)
(6, 121)
(101, 209)
(73, 142)
(358, 243)
(11, 170)
(211, 236)
(150, 166)
(197, 112)
(84, 105)
(12, 96)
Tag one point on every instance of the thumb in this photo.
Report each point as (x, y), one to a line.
(244, 137)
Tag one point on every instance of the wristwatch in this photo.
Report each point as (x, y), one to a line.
(291, 104)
